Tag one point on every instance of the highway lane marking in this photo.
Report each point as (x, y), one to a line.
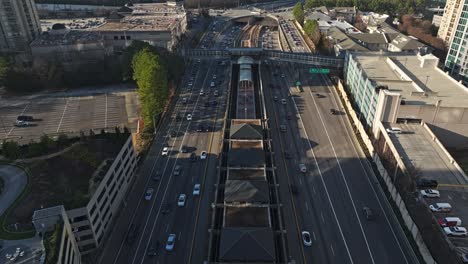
(298, 229)
(177, 105)
(342, 175)
(307, 206)
(180, 234)
(313, 189)
(323, 218)
(105, 114)
(204, 176)
(300, 181)
(167, 228)
(333, 251)
(367, 175)
(170, 177)
(63, 114)
(323, 182)
(313, 234)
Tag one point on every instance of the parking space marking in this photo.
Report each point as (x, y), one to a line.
(22, 112)
(105, 114)
(333, 251)
(63, 114)
(307, 207)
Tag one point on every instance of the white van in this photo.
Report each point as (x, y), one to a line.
(440, 207)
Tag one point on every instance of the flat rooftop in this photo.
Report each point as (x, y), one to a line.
(415, 77)
(66, 37)
(246, 174)
(246, 216)
(139, 23)
(417, 149)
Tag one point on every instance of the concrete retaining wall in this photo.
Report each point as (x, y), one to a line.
(385, 175)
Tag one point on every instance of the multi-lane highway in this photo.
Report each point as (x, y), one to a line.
(328, 199)
(203, 95)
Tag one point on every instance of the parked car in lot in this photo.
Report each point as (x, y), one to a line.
(455, 231)
(203, 155)
(440, 207)
(177, 170)
(149, 194)
(449, 221)
(170, 242)
(184, 149)
(181, 200)
(165, 151)
(25, 118)
(283, 101)
(20, 123)
(306, 239)
(426, 184)
(394, 130)
(189, 117)
(429, 193)
(196, 189)
(193, 157)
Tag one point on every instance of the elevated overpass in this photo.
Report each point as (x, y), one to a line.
(259, 53)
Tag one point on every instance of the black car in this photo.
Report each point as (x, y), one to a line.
(25, 118)
(214, 102)
(156, 176)
(193, 157)
(426, 184)
(207, 129)
(166, 208)
(184, 149)
(153, 250)
(132, 234)
(368, 214)
(173, 133)
(287, 154)
(333, 111)
(200, 128)
(207, 104)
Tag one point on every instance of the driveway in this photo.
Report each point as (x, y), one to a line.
(15, 181)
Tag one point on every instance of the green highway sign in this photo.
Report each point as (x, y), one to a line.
(318, 70)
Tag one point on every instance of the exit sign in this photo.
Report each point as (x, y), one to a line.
(318, 70)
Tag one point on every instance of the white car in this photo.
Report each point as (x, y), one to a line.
(149, 194)
(170, 242)
(196, 189)
(165, 151)
(455, 231)
(306, 238)
(302, 168)
(181, 200)
(203, 155)
(189, 117)
(394, 130)
(283, 101)
(430, 193)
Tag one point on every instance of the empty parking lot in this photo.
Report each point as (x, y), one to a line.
(70, 113)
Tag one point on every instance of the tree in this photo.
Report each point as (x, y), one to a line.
(11, 150)
(311, 28)
(309, 4)
(151, 78)
(298, 12)
(4, 67)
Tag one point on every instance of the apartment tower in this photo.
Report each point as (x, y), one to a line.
(19, 25)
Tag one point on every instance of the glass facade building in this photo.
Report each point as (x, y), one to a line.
(457, 57)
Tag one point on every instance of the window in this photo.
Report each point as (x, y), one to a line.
(102, 194)
(86, 237)
(83, 228)
(116, 37)
(88, 247)
(122, 37)
(80, 218)
(128, 38)
(93, 209)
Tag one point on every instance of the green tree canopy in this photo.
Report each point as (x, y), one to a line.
(311, 28)
(151, 78)
(298, 12)
(4, 66)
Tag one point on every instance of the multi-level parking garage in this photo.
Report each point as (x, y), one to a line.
(247, 224)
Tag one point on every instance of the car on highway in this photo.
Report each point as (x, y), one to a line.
(193, 157)
(177, 170)
(455, 231)
(184, 100)
(202, 92)
(429, 193)
(306, 239)
(282, 75)
(287, 154)
(216, 93)
(275, 98)
(203, 155)
(289, 115)
(181, 200)
(149, 194)
(165, 151)
(200, 128)
(166, 208)
(283, 128)
(302, 168)
(283, 101)
(156, 176)
(153, 250)
(424, 183)
(184, 149)
(132, 234)
(367, 212)
(196, 189)
(173, 133)
(170, 242)
(189, 117)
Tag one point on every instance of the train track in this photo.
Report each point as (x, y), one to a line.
(249, 38)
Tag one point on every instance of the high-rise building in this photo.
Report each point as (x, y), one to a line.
(449, 19)
(457, 57)
(19, 25)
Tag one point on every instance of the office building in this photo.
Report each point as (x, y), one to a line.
(19, 25)
(391, 87)
(450, 19)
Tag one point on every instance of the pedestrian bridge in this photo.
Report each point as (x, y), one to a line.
(259, 53)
